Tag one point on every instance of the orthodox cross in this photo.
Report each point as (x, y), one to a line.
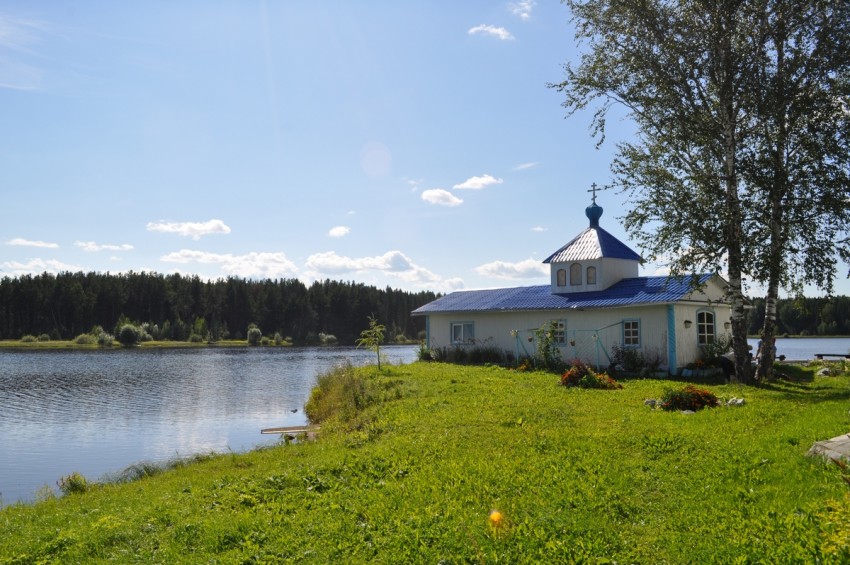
(594, 190)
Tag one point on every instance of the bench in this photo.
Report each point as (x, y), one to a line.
(822, 355)
(291, 432)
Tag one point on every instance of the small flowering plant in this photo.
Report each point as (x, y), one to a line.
(688, 397)
(581, 375)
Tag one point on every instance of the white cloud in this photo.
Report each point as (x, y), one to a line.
(250, 265)
(394, 264)
(29, 243)
(539, 229)
(330, 262)
(528, 269)
(339, 231)
(525, 166)
(452, 284)
(522, 9)
(477, 183)
(413, 183)
(486, 29)
(37, 266)
(441, 197)
(92, 246)
(193, 229)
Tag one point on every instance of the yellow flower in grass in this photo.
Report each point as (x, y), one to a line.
(496, 519)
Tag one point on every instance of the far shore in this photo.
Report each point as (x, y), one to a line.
(161, 344)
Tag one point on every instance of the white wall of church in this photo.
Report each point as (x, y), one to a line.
(590, 334)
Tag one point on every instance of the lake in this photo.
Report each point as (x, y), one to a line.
(98, 412)
(805, 348)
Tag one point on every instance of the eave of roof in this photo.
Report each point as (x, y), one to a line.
(628, 292)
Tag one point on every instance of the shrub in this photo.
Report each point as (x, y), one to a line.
(688, 397)
(196, 338)
(577, 371)
(423, 353)
(85, 339)
(327, 339)
(265, 341)
(74, 483)
(582, 376)
(713, 351)
(104, 339)
(628, 359)
(129, 335)
(485, 354)
(28, 339)
(254, 335)
(340, 393)
(599, 380)
(43, 337)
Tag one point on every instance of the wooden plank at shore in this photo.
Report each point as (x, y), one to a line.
(291, 430)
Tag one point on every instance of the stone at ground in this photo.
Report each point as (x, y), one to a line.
(835, 448)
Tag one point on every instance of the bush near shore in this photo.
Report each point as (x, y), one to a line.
(415, 473)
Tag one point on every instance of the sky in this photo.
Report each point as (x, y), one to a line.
(405, 144)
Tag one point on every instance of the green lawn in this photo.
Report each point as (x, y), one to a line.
(578, 475)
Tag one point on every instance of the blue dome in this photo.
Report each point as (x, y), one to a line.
(593, 213)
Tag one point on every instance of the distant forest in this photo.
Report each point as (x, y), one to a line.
(174, 307)
(806, 316)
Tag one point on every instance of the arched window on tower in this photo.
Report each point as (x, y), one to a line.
(562, 277)
(591, 275)
(575, 274)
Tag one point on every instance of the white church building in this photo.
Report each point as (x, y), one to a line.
(597, 300)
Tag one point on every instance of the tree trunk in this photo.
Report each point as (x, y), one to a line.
(733, 215)
(776, 194)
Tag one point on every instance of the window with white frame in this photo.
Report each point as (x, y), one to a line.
(559, 331)
(705, 328)
(591, 275)
(631, 333)
(463, 332)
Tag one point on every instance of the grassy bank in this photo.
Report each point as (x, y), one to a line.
(577, 475)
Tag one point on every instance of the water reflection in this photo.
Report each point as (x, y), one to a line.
(97, 412)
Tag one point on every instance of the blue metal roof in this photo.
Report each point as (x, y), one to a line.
(593, 243)
(628, 292)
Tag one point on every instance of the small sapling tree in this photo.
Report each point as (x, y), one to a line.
(373, 337)
(255, 335)
(547, 345)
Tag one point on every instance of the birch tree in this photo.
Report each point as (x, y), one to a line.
(741, 157)
(797, 166)
(677, 69)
